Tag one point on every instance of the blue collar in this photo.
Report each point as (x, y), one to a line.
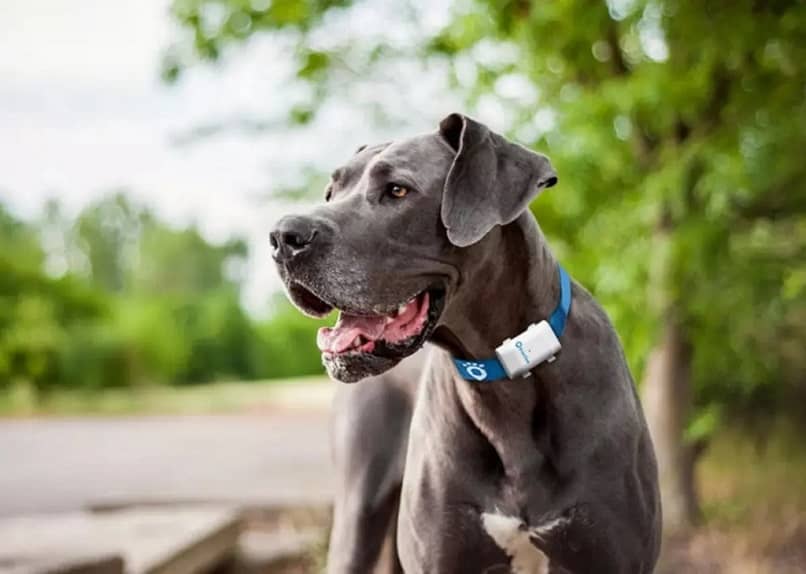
(487, 370)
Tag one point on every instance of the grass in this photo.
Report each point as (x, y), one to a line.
(753, 492)
(745, 479)
(213, 398)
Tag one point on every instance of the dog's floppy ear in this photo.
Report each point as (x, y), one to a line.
(491, 181)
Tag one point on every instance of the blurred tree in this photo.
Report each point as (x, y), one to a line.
(171, 261)
(107, 233)
(677, 130)
(35, 309)
(117, 298)
(286, 340)
(126, 247)
(178, 293)
(59, 240)
(20, 240)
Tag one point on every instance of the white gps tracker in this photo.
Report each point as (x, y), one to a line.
(520, 354)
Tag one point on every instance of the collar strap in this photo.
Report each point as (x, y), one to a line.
(517, 356)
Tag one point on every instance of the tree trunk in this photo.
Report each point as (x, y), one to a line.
(667, 400)
(666, 396)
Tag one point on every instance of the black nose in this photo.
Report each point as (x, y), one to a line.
(292, 235)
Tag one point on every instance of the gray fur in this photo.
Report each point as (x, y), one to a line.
(564, 452)
(369, 432)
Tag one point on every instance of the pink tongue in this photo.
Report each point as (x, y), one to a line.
(341, 336)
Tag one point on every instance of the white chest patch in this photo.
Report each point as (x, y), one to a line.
(512, 536)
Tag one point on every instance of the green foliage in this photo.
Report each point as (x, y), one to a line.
(287, 342)
(677, 130)
(214, 24)
(36, 311)
(183, 263)
(139, 303)
(95, 356)
(222, 341)
(106, 234)
(678, 171)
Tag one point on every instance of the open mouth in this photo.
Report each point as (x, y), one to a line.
(365, 344)
(307, 301)
(365, 333)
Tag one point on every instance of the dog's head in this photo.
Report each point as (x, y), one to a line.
(390, 246)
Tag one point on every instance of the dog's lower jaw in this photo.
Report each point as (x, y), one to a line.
(351, 368)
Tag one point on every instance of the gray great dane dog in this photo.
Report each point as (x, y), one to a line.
(430, 239)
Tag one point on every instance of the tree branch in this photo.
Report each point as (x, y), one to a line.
(620, 67)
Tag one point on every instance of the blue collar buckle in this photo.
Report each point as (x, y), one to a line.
(517, 356)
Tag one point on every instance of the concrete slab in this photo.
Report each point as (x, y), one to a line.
(149, 540)
(262, 549)
(75, 564)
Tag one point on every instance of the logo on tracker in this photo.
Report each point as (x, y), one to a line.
(519, 346)
(475, 370)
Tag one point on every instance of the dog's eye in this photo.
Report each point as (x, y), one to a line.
(397, 191)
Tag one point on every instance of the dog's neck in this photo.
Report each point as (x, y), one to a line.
(512, 283)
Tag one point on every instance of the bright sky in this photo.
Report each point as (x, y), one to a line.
(82, 111)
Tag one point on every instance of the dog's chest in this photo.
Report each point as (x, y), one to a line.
(469, 475)
(461, 523)
(505, 417)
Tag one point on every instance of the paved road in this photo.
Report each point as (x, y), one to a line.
(66, 464)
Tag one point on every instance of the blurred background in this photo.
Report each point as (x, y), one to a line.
(147, 147)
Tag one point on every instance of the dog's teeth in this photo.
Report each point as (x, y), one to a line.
(357, 341)
(402, 308)
(390, 318)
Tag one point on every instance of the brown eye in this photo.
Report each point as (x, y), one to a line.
(397, 191)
